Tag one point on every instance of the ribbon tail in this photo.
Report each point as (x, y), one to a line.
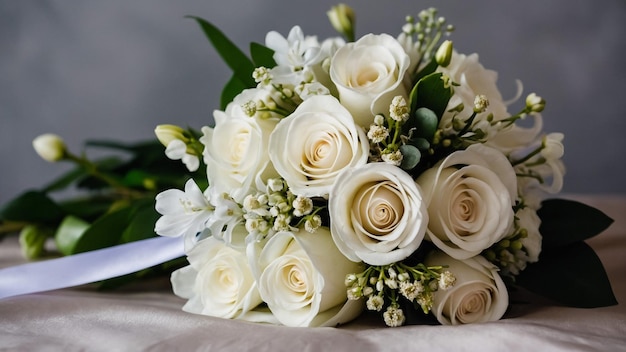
(88, 267)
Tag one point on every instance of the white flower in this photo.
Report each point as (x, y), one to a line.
(217, 282)
(311, 146)
(375, 302)
(530, 221)
(236, 152)
(368, 74)
(377, 214)
(301, 278)
(296, 51)
(553, 147)
(470, 195)
(50, 147)
(184, 213)
(177, 150)
(479, 294)
(394, 316)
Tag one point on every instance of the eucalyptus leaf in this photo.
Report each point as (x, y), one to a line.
(566, 221)
(233, 57)
(32, 207)
(69, 233)
(262, 55)
(571, 275)
(420, 143)
(426, 122)
(410, 156)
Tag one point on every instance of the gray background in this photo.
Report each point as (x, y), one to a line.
(115, 69)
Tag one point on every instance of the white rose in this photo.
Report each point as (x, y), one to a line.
(377, 214)
(470, 196)
(368, 74)
(302, 279)
(478, 295)
(315, 143)
(218, 282)
(236, 151)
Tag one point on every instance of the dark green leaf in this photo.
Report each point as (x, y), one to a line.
(65, 180)
(87, 208)
(566, 221)
(426, 70)
(141, 224)
(420, 143)
(431, 92)
(233, 87)
(572, 275)
(410, 156)
(262, 55)
(69, 233)
(33, 207)
(106, 231)
(235, 59)
(426, 123)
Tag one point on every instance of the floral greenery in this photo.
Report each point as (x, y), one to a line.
(110, 202)
(420, 134)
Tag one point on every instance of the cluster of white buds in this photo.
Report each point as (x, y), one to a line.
(509, 253)
(427, 30)
(277, 209)
(383, 285)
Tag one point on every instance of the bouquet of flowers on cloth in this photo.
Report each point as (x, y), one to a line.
(382, 173)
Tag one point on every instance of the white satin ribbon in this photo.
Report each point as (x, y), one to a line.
(88, 267)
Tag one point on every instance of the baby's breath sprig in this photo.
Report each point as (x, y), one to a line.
(384, 285)
(509, 254)
(427, 30)
(385, 134)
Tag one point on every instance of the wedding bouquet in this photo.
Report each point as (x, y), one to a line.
(382, 173)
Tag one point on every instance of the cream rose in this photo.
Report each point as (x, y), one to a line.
(377, 214)
(301, 278)
(368, 74)
(470, 196)
(311, 146)
(217, 282)
(478, 295)
(236, 148)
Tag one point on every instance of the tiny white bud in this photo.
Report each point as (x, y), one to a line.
(535, 103)
(50, 147)
(443, 56)
(167, 133)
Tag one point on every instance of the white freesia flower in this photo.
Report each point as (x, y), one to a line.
(470, 195)
(236, 151)
(368, 74)
(478, 295)
(315, 143)
(295, 55)
(177, 150)
(377, 214)
(217, 282)
(184, 213)
(301, 278)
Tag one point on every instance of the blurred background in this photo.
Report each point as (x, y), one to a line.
(115, 69)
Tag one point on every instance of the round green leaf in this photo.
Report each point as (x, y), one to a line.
(426, 122)
(410, 156)
(69, 233)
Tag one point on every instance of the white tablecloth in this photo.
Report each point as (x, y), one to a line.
(149, 317)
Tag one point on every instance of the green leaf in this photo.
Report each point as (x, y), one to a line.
(106, 231)
(426, 123)
(142, 223)
(87, 208)
(69, 233)
(426, 70)
(33, 207)
(410, 156)
(566, 221)
(572, 275)
(65, 180)
(233, 57)
(262, 55)
(430, 92)
(420, 143)
(233, 87)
